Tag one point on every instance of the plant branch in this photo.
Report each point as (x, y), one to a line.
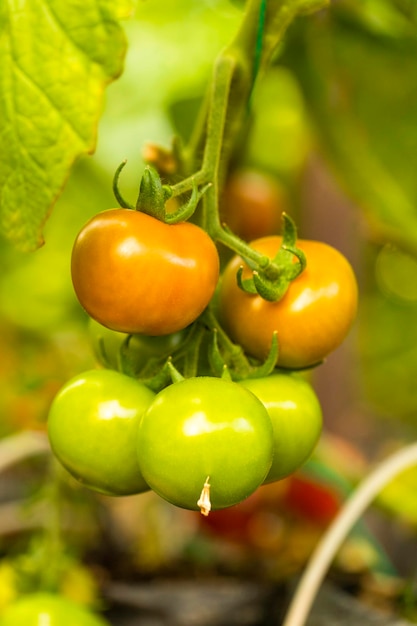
(235, 71)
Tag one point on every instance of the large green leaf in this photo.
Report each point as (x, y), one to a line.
(56, 59)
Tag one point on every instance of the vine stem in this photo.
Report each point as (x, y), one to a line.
(331, 541)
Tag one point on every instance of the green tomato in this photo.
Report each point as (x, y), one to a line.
(92, 427)
(107, 345)
(296, 418)
(47, 609)
(205, 436)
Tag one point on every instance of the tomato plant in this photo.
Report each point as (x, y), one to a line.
(251, 204)
(296, 417)
(92, 426)
(47, 609)
(205, 428)
(311, 319)
(135, 274)
(148, 275)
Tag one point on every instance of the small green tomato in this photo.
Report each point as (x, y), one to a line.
(92, 428)
(296, 417)
(205, 443)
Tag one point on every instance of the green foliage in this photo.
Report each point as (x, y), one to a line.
(56, 59)
(356, 67)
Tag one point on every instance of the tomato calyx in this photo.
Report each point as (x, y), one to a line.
(153, 196)
(240, 368)
(272, 281)
(204, 348)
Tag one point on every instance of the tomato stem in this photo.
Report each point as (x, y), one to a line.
(234, 75)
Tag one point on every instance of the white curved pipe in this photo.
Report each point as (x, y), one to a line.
(334, 536)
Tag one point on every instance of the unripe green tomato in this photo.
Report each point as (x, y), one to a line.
(47, 609)
(203, 428)
(92, 428)
(107, 344)
(296, 417)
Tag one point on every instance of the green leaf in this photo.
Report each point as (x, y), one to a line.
(56, 59)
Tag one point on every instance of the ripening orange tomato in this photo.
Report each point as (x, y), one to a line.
(135, 274)
(311, 319)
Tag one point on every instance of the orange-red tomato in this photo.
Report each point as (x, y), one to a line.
(135, 274)
(252, 203)
(312, 318)
(315, 502)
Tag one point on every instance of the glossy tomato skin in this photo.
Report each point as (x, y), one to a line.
(136, 274)
(296, 417)
(47, 609)
(92, 428)
(107, 344)
(313, 317)
(205, 427)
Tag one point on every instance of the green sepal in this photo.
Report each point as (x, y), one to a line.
(218, 363)
(152, 194)
(166, 375)
(267, 367)
(215, 358)
(269, 290)
(289, 231)
(295, 269)
(226, 375)
(124, 360)
(116, 191)
(176, 376)
(271, 280)
(186, 210)
(246, 284)
(159, 381)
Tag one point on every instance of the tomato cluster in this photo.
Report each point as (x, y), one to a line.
(195, 396)
(203, 433)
